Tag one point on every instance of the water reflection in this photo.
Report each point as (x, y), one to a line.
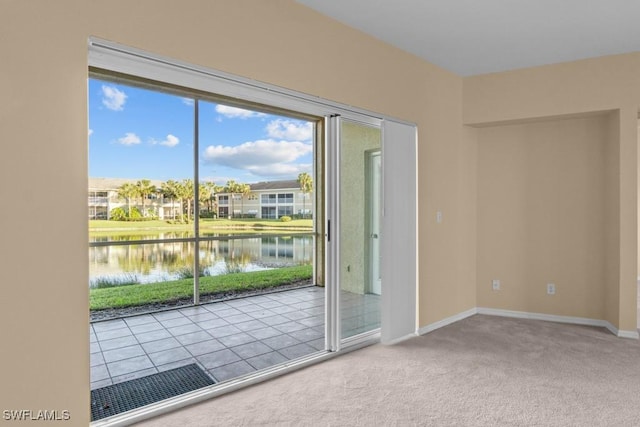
(154, 262)
(100, 237)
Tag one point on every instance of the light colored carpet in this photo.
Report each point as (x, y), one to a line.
(481, 371)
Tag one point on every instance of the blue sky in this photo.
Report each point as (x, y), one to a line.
(136, 133)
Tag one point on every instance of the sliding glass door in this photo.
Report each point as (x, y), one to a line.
(233, 232)
(202, 220)
(356, 181)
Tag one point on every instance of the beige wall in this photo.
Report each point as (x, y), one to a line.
(45, 359)
(569, 89)
(542, 216)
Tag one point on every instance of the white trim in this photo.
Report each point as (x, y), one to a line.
(542, 316)
(633, 335)
(332, 226)
(559, 319)
(531, 316)
(400, 339)
(123, 59)
(622, 334)
(447, 321)
(361, 340)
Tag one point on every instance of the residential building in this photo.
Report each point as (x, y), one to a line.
(104, 197)
(267, 200)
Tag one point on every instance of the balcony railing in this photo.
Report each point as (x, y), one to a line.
(98, 200)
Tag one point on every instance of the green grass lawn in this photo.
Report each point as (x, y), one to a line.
(137, 295)
(102, 226)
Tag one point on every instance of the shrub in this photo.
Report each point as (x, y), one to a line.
(134, 214)
(121, 214)
(285, 218)
(118, 214)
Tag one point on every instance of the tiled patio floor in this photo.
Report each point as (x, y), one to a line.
(226, 339)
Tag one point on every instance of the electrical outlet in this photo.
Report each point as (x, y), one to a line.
(551, 289)
(495, 284)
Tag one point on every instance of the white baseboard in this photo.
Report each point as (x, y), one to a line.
(526, 315)
(444, 322)
(397, 340)
(559, 319)
(622, 334)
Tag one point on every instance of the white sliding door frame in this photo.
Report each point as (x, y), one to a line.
(333, 328)
(332, 248)
(113, 57)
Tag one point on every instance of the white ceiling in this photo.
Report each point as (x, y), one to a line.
(471, 37)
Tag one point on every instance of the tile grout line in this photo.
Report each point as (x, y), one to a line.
(310, 304)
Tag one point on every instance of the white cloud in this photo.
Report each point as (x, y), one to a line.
(170, 141)
(280, 169)
(113, 98)
(188, 101)
(129, 138)
(290, 130)
(263, 157)
(237, 113)
(90, 132)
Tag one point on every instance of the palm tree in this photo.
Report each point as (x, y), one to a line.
(145, 188)
(244, 190)
(185, 193)
(128, 191)
(232, 188)
(306, 186)
(204, 195)
(169, 190)
(210, 189)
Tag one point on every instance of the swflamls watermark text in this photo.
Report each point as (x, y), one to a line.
(36, 415)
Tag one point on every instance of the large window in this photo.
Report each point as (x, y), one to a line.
(170, 174)
(144, 157)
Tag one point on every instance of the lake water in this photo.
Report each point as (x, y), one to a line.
(154, 262)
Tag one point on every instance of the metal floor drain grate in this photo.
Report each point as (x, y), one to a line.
(128, 395)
